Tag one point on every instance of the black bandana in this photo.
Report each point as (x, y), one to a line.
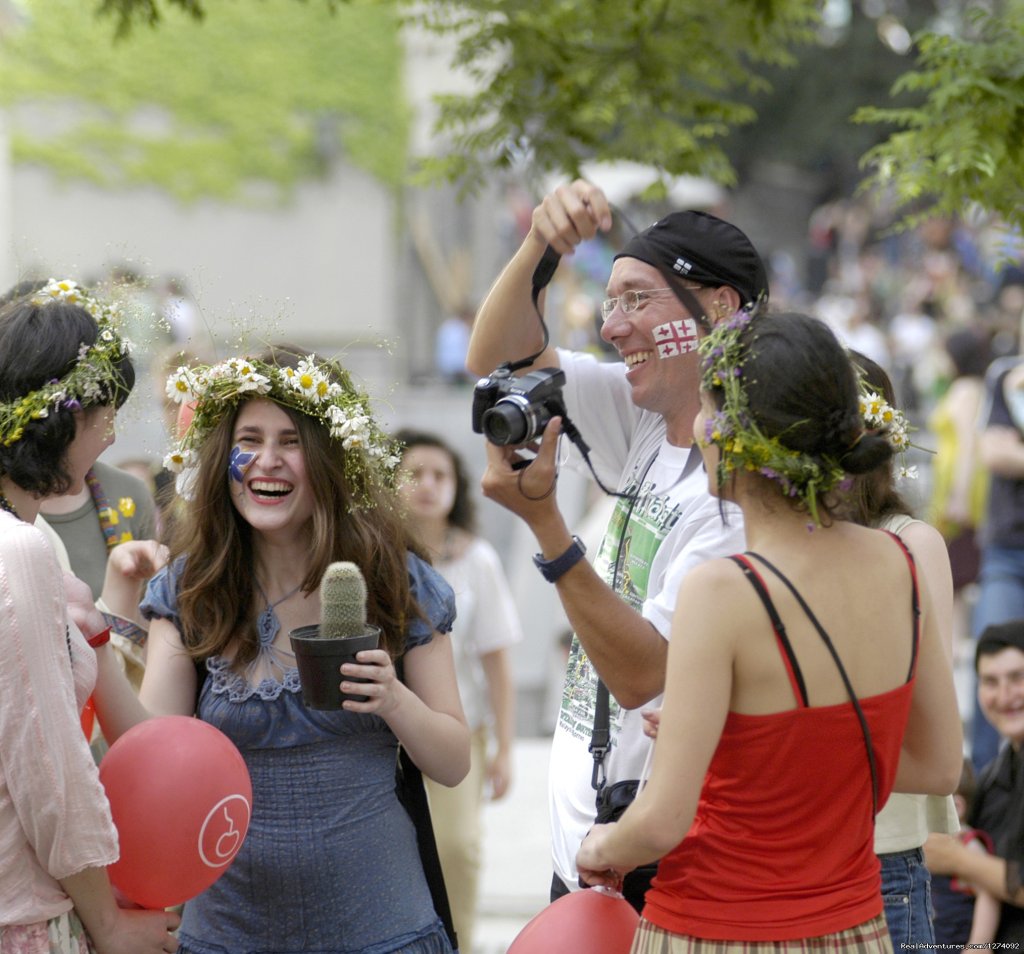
(698, 247)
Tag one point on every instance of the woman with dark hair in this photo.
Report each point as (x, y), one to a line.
(903, 826)
(63, 371)
(805, 679)
(436, 492)
(285, 471)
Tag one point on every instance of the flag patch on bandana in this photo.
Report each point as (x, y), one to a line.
(676, 337)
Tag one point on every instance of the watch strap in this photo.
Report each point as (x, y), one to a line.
(553, 570)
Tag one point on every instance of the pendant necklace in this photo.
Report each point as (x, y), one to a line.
(267, 623)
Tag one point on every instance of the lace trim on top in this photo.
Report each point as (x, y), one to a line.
(239, 685)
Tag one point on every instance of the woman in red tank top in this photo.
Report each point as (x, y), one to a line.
(806, 679)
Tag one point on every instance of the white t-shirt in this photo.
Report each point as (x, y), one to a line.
(486, 621)
(651, 543)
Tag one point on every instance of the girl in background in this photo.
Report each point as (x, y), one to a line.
(905, 822)
(439, 505)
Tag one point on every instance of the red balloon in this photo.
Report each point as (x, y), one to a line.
(88, 718)
(181, 800)
(593, 921)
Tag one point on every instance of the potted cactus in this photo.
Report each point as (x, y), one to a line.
(321, 649)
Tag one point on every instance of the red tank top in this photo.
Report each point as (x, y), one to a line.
(782, 843)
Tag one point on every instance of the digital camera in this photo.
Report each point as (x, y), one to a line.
(511, 410)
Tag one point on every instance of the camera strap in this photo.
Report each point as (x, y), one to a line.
(542, 275)
(601, 736)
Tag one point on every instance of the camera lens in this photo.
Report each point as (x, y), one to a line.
(505, 423)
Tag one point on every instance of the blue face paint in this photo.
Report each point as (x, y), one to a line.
(239, 462)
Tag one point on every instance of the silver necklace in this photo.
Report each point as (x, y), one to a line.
(267, 623)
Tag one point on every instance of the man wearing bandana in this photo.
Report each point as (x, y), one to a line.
(668, 285)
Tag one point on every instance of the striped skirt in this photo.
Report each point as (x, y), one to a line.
(871, 937)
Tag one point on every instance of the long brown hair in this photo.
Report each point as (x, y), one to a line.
(216, 595)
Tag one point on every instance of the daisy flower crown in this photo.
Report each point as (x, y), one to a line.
(319, 390)
(96, 376)
(742, 443)
(879, 415)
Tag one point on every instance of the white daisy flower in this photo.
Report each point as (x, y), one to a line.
(178, 460)
(249, 379)
(309, 381)
(181, 386)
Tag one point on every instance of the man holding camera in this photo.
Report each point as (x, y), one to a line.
(667, 286)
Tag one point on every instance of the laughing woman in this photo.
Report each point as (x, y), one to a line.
(287, 472)
(806, 680)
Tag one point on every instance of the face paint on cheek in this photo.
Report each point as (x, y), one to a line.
(677, 337)
(239, 462)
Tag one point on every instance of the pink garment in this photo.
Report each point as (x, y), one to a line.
(54, 816)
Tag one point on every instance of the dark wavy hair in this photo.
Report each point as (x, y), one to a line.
(217, 597)
(38, 344)
(463, 513)
(801, 389)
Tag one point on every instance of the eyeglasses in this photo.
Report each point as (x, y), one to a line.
(630, 301)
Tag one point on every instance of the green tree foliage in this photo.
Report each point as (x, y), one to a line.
(253, 95)
(129, 12)
(803, 122)
(564, 82)
(965, 143)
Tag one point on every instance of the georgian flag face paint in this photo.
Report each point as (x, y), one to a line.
(239, 462)
(675, 337)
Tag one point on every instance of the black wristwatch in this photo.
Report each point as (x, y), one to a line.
(553, 570)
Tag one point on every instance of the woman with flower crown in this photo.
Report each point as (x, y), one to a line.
(902, 826)
(286, 471)
(63, 371)
(806, 677)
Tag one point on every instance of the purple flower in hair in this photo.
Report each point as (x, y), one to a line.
(71, 404)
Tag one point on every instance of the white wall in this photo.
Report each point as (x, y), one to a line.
(6, 265)
(315, 269)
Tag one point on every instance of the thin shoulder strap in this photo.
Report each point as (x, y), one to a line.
(865, 730)
(413, 795)
(915, 603)
(796, 677)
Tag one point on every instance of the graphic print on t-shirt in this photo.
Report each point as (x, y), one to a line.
(627, 568)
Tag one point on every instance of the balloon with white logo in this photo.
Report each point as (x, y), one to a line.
(181, 800)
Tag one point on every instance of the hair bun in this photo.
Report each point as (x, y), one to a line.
(872, 450)
(840, 430)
